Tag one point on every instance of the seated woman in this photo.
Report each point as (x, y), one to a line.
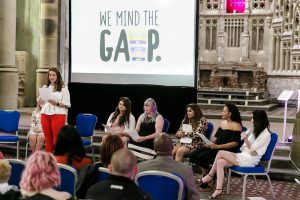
(121, 120)
(111, 144)
(7, 191)
(227, 137)
(35, 135)
(69, 150)
(254, 147)
(148, 125)
(39, 178)
(196, 119)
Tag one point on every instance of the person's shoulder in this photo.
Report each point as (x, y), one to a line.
(236, 126)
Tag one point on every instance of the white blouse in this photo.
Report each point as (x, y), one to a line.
(130, 126)
(62, 96)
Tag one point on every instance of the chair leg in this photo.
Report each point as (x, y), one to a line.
(26, 150)
(271, 188)
(18, 150)
(257, 188)
(93, 153)
(228, 181)
(244, 187)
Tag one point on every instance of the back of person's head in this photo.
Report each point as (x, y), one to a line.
(69, 141)
(123, 163)
(163, 144)
(235, 113)
(5, 171)
(110, 145)
(260, 122)
(41, 172)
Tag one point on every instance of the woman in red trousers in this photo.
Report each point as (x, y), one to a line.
(54, 110)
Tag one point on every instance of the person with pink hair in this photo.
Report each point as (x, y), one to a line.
(40, 176)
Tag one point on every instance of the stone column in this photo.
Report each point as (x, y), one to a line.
(245, 34)
(277, 58)
(48, 54)
(221, 33)
(8, 70)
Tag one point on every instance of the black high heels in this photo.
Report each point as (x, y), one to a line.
(218, 196)
(203, 184)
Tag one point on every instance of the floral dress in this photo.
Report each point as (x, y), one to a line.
(197, 142)
(36, 127)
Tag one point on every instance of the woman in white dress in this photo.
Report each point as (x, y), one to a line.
(254, 147)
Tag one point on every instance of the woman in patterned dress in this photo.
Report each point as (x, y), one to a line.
(192, 141)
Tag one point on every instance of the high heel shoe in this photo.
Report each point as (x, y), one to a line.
(219, 196)
(203, 184)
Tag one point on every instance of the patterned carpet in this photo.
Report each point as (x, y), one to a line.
(283, 190)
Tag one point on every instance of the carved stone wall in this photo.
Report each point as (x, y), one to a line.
(22, 59)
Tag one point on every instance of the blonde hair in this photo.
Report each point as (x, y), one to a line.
(5, 171)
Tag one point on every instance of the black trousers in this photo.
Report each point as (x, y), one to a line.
(204, 157)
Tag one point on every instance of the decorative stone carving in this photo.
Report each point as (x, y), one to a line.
(21, 64)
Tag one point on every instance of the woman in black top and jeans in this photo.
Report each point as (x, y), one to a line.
(227, 137)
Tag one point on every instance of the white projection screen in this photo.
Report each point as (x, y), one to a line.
(134, 42)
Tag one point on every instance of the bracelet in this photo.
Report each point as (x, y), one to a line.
(57, 104)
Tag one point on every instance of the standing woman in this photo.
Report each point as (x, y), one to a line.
(121, 120)
(149, 124)
(54, 111)
(196, 119)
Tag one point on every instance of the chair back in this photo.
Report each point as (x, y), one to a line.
(210, 129)
(17, 168)
(68, 177)
(9, 121)
(85, 124)
(103, 173)
(160, 185)
(166, 125)
(271, 148)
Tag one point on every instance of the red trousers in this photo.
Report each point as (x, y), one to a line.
(51, 125)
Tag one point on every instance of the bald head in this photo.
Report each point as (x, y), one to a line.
(163, 144)
(123, 162)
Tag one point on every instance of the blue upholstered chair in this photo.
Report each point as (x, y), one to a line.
(209, 131)
(68, 177)
(103, 173)
(85, 125)
(166, 125)
(9, 123)
(17, 167)
(160, 185)
(257, 170)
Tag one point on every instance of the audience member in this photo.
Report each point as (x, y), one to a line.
(111, 144)
(7, 191)
(163, 147)
(119, 185)
(121, 121)
(54, 111)
(149, 124)
(196, 119)
(69, 149)
(254, 147)
(40, 176)
(227, 138)
(35, 134)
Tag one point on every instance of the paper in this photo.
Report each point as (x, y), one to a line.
(133, 134)
(108, 129)
(186, 140)
(46, 94)
(207, 141)
(187, 128)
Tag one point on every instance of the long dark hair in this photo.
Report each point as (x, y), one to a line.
(126, 116)
(235, 113)
(261, 122)
(69, 141)
(59, 82)
(197, 115)
(111, 144)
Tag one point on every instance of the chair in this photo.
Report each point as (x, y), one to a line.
(17, 167)
(257, 170)
(9, 123)
(160, 185)
(210, 129)
(141, 152)
(103, 173)
(166, 125)
(85, 125)
(68, 177)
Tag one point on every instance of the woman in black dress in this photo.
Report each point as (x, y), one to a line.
(227, 137)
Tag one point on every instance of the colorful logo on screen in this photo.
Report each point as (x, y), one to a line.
(235, 6)
(137, 42)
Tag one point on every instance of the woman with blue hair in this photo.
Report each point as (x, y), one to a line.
(149, 124)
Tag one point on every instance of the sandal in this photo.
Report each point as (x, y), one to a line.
(219, 196)
(203, 184)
